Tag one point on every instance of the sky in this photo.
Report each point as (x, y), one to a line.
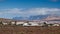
(26, 8)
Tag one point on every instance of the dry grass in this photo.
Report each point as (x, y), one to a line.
(29, 30)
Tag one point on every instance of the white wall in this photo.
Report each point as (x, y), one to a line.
(25, 24)
(56, 25)
(5, 23)
(12, 22)
(19, 23)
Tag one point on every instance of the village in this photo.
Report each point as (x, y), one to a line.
(31, 23)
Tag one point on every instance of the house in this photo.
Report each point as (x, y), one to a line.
(31, 23)
(56, 24)
(18, 22)
(13, 22)
(53, 23)
(5, 23)
(34, 23)
(26, 24)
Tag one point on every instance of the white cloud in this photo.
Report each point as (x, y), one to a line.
(43, 11)
(31, 11)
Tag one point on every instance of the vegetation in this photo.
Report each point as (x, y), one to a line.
(1, 23)
(44, 22)
(46, 25)
(50, 24)
(9, 23)
(20, 25)
(15, 22)
(29, 24)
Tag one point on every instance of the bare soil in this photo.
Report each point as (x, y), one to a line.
(29, 30)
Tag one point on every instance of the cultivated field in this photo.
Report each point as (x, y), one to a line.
(29, 30)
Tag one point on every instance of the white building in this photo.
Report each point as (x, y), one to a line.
(56, 24)
(34, 23)
(12, 22)
(18, 22)
(5, 23)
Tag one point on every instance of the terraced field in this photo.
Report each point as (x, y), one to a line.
(29, 30)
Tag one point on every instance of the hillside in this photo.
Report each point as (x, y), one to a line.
(5, 20)
(29, 30)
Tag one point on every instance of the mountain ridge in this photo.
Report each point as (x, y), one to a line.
(37, 17)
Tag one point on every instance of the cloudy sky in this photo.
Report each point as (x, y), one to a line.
(25, 8)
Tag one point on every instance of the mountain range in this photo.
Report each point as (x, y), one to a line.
(36, 17)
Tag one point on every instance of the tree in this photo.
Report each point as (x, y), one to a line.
(15, 22)
(20, 25)
(45, 24)
(29, 24)
(1, 23)
(50, 24)
(9, 23)
(39, 23)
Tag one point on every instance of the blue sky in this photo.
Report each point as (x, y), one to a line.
(29, 3)
(13, 8)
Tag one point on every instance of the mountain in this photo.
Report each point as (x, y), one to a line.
(5, 20)
(10, 20)
(53, 18)
(36, 17)
(20, 18)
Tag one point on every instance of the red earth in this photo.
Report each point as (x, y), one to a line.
(29, 30)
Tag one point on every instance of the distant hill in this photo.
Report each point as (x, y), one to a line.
(53, 18)
(20, 18)
(6, 20)
(36, 17)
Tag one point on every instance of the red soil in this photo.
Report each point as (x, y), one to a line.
(29, 30)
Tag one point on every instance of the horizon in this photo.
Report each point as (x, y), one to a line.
(25, 8)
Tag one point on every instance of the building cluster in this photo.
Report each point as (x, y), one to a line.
(32, 23)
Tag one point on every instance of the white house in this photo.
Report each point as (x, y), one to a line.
(56, 24)
(31, 24)
(12, 22)
(18, 22)
(5, 23)
(34, 23)
(25, 24)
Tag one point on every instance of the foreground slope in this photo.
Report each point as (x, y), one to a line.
(29, 30)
